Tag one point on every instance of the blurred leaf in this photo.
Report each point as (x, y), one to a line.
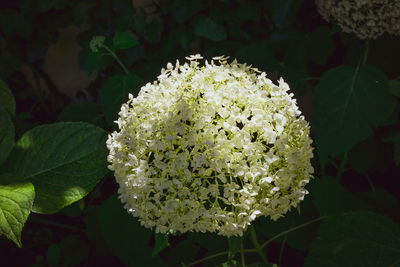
(94, 62)
(207, 28)
(284, 12)
(161, 242)
(330, 197)
(64, 161)
(356, 239)
(182, 11)
(7, 100)
(129, 241)
(153, 31)
(234, 245)
(53, 255)
(15, 205)
(394, 87)
(81, 111)
(115, 92)
(7, 134)
(124, 40)
(348, 103)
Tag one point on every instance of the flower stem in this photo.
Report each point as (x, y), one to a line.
(291, 230)
(111, 53)
(256, 244)
(242, 255)
(366, 50)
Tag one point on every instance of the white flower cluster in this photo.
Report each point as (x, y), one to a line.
(368, 19)
(210, 148)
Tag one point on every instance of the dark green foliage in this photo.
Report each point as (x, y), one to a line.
(356, 239)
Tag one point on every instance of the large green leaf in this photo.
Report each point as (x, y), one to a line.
(356, 239)
(124, 235)
(348, 103)
(124, 40)
(330, 197)
(64, 161)
(7, 133)
(15, 205)
(82, 111)
(206, 27)
(115, 92)
(7, 100)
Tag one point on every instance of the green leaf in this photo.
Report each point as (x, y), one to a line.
(81, 111)
(64, 161)
(124, 240)
(115, 93)
(284, 12)
(7, 134)
(161, 242)
(394, 87)
(356, 239)
(206, 27)
(7, 100)
(94, 61)
(234, 245)
(330, 197)
(124, 40)
(15, 205)
(364, 155)
(348, 103)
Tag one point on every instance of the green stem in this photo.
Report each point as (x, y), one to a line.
(208, 258)
(256, 244)
(342, 166)
(366, 50)
(291, 230)
(281, 252)
(370, 182)
(116, 58)
(260, 247)
(242, 255)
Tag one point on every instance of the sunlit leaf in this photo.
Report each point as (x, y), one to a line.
(64, 161)
(15, 205)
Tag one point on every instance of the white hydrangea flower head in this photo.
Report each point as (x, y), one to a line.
(368, 19)
(210, 148)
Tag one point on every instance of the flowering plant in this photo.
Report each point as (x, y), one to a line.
(368, 19)
(210, 148)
